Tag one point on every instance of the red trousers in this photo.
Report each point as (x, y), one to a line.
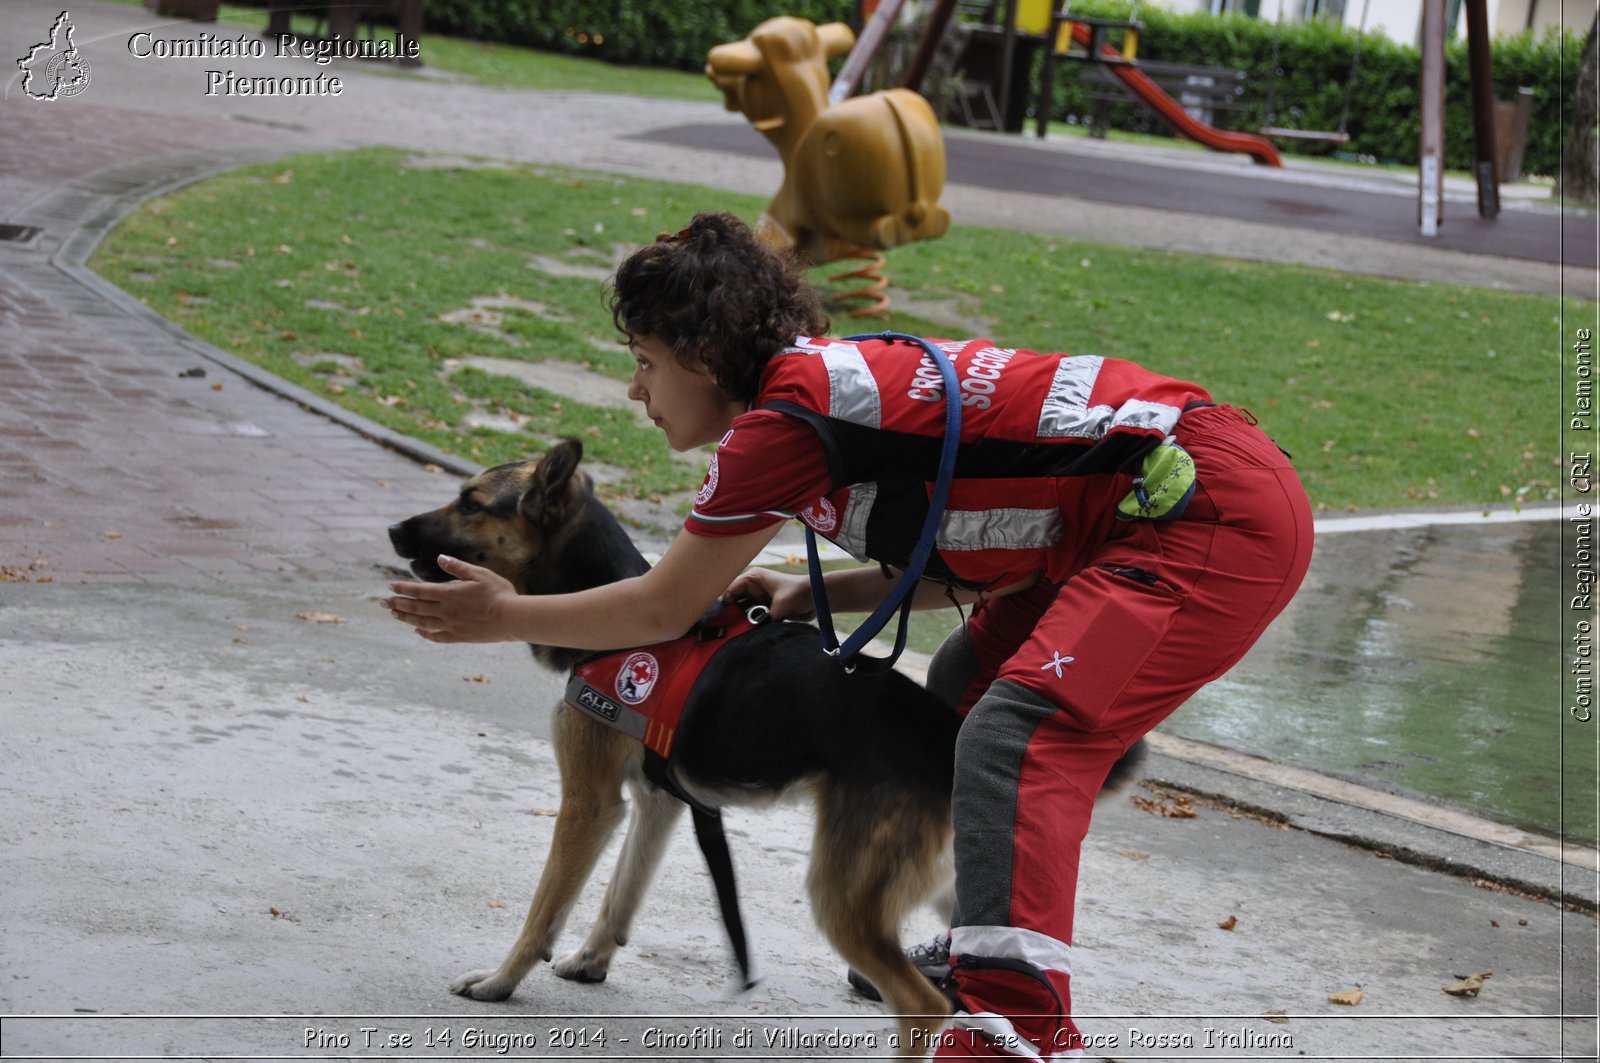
(1061, 680)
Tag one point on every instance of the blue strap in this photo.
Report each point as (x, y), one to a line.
(901, 597)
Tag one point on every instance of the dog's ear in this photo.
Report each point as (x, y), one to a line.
(552, 482)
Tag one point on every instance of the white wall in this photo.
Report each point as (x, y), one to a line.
(1400, 20)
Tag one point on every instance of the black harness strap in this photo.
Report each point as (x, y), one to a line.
(713, 843)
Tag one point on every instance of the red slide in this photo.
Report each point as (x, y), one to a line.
(1150, 94)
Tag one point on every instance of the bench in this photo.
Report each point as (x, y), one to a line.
(343, 20)
(1208, 93)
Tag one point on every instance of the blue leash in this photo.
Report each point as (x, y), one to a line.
(901, 597)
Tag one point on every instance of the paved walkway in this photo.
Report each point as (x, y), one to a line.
(200, 781)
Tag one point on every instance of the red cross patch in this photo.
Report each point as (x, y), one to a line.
(637, 677)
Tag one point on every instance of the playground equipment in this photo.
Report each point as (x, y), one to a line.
(1430, 136)
(1342, 134)
(860, 175)
(1089, 36)
(1028, 25)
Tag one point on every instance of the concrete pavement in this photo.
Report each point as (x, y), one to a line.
(248, 815)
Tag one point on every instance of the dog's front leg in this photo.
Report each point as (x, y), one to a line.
(654, 813)
(592, 760)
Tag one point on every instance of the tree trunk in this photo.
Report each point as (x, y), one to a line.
(1579, 177)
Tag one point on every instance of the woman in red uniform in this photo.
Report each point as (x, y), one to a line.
(1122, 538)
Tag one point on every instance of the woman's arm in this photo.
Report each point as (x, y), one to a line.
(852, 590)
(659, 605)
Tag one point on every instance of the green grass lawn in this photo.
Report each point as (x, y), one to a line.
(1387, 393)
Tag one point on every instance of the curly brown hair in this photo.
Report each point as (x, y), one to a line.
(714, 293)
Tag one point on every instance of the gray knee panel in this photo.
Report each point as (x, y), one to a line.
(989, 753)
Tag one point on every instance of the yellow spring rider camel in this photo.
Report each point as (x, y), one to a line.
(861, 175)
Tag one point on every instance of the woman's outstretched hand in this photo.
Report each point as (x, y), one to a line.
(474, 608)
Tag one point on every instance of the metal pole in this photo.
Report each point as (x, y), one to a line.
(1430, 155)
(1482, 72)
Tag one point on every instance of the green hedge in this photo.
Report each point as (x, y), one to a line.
(678, 33)
(1314, 60)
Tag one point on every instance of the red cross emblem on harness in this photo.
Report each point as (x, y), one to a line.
(637, 677)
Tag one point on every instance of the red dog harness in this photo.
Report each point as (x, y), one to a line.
(642, 692)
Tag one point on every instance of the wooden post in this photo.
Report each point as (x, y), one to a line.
(1008, 55)
(1484, 156)
(928, 47)
(873, 34)
(1430, 155)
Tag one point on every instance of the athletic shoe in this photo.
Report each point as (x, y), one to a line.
(931, 958)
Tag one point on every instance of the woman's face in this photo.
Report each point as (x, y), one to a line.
(687, 404)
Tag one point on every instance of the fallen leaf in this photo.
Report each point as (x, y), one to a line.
(1228, 923)
(320, 618)
(1277, 1015)
(475, 678)
(290, 916)
(497, 903)
(1133, 854)
(541, 812)
(112, 534)
(1349, 997)
(1176, 808)
(1468, 987)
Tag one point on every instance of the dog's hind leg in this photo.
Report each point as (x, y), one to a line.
(871, 866)
(654, 814)
(593, 760)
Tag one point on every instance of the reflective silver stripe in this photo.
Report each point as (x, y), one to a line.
(1000, 529)
(852, 391)
(1013, 943)
(852, 534)
(1066, 412)
(1137, 413)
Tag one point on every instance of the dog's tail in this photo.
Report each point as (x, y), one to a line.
(1126, 771)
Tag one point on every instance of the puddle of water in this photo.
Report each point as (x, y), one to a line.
(1426, 660)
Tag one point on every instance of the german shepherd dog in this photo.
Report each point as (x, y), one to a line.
(771, 713)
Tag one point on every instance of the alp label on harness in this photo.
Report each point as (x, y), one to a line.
(642, 692)
(595, 703)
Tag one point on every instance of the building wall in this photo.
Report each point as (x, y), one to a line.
(1401, 20)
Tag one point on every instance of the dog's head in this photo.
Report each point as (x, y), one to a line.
(537, 523)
